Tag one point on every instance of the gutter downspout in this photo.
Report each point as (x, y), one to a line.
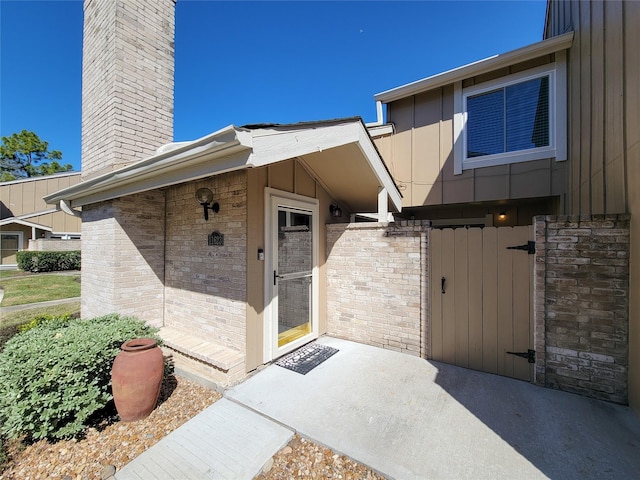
(379, 116)
(65, 206)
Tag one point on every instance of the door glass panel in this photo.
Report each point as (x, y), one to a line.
(294, 268)
(294, 309)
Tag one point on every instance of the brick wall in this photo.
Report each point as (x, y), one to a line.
(123, 262)
(377, 284)
(581, 304)
(53, 245)
(205, 291)
(127, 81)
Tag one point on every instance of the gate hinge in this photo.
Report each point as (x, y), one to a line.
(529, 247)
(530, 355)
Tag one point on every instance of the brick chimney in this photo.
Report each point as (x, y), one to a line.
(127, 81)
(127, 113)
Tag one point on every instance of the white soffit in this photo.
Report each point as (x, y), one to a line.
(545, 47)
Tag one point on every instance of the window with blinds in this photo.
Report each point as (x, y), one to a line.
(515, 118)
(509, 119)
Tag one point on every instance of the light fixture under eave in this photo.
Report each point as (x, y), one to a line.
(502, 216)
(335, 210)
(205, 197)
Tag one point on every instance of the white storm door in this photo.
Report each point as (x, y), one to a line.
(293, 283)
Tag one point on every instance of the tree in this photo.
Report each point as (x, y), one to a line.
(24, 155)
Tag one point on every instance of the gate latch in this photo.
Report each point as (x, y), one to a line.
(530, 355)
(529, 247)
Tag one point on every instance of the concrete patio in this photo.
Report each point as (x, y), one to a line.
(406, 418)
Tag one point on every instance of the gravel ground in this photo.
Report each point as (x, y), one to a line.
(305, 459)
(112, 444)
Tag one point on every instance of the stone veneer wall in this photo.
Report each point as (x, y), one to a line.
(205, 286)
(127, 81)
(123, 263)
(582, 304)
(377, 284)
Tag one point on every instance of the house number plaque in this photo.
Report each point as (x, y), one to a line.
(216, 239)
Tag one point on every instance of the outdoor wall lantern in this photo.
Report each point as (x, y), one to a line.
(205, 197)
(502, 216)
(335, 210)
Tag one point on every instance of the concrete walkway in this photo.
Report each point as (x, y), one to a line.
(408, 419)
(224, 441)
(28, 306)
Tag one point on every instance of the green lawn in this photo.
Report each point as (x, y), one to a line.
(19, 317)
(10, 321)
(32, 288)
(12, 273)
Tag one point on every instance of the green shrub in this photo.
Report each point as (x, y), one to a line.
(54, 376)
(6, 333)
(58, 320)
(48, 261)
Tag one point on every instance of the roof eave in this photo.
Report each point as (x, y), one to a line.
(379, 168)
(545, 47)
(228, 150)
(160, 169)
(10, 220)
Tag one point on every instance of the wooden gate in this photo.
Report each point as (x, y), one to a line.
(481, 299)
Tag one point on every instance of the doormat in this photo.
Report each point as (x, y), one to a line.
(306, 358)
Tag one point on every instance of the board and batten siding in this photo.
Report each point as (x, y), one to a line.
(420, 153)
(602, 94)
(24, 197)
(604, 128)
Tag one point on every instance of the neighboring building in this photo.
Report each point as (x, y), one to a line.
(28, 223)
(550, 129)
(234, 244)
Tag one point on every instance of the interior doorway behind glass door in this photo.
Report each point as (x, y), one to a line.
(294, 274)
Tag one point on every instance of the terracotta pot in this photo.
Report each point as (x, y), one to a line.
(136, 378)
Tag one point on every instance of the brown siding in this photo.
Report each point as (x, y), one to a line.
(425, 163)
(632, 152)
(604, 120)
(596, 73)
(420, 154)
(401, 159)
(25, 197)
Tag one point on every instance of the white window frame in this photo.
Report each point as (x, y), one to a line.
(557, 148)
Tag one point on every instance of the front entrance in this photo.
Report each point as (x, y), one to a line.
(292, 284)
(481, 299)
(10, 245)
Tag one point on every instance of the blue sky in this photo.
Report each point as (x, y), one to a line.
(243, 62)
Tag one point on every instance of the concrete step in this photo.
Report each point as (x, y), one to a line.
(211, 353)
